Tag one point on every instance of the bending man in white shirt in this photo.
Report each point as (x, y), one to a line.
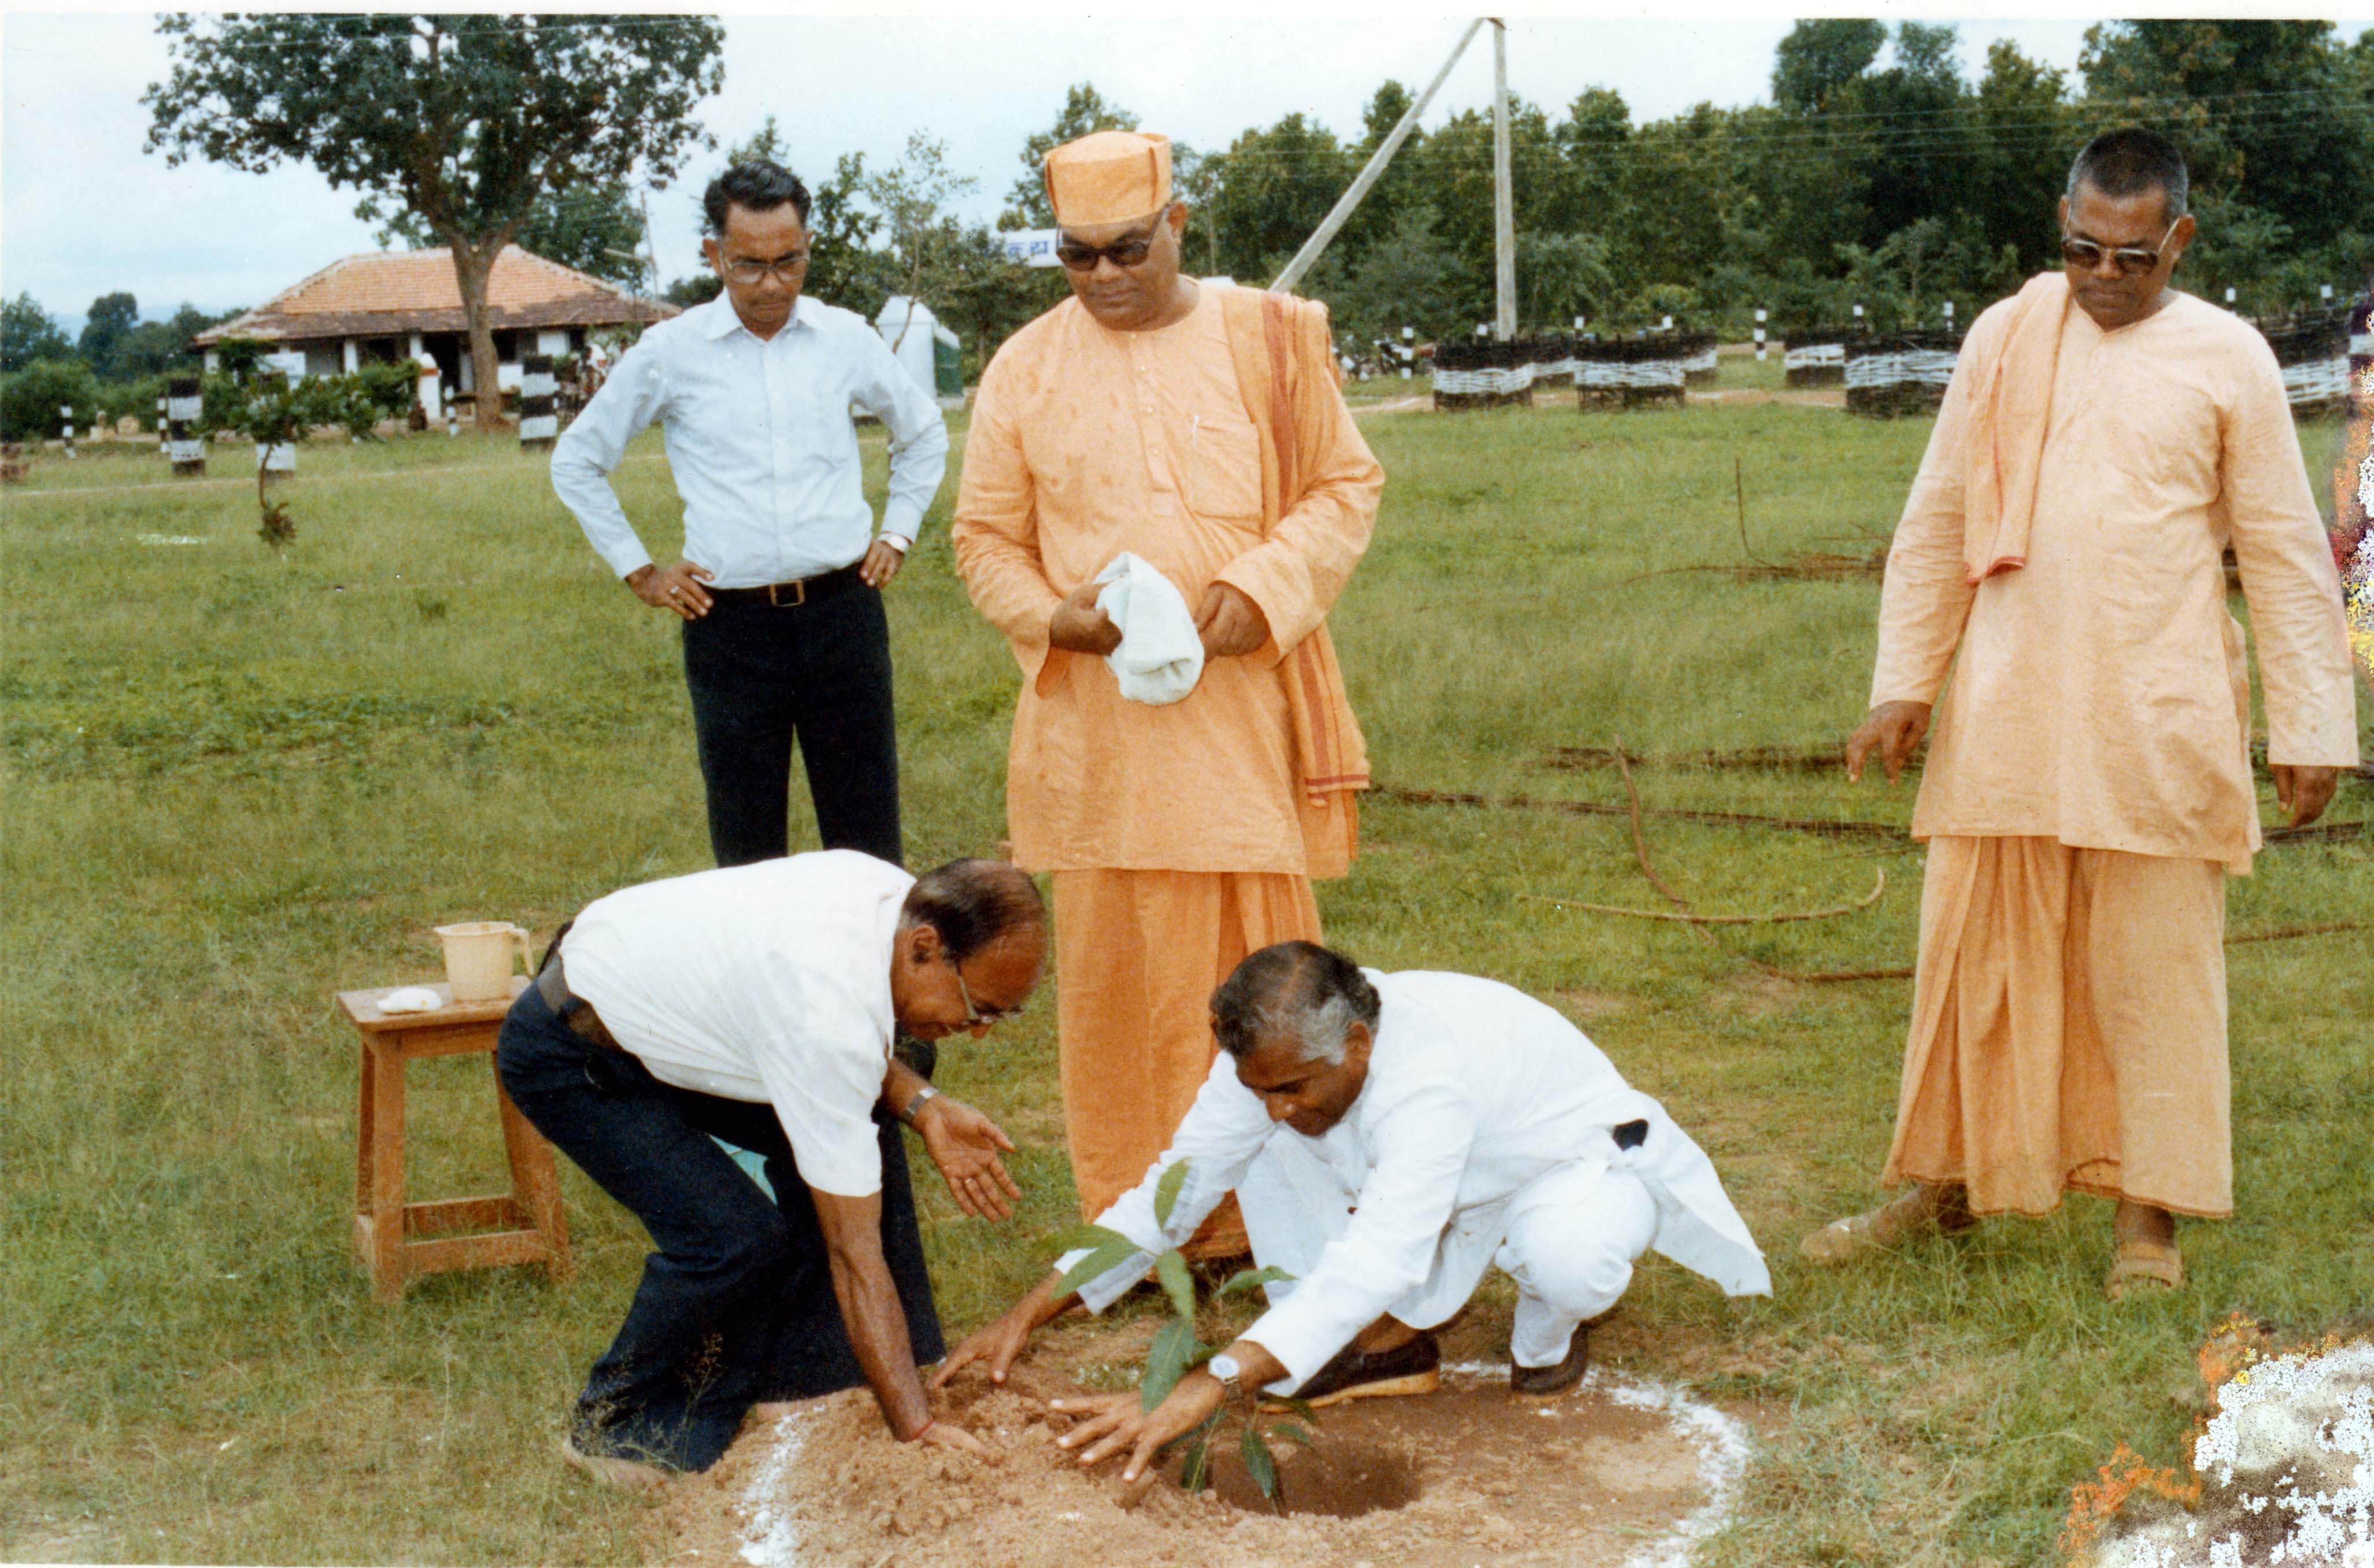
(756, 1004)
(1440, 1124)
(780, 589)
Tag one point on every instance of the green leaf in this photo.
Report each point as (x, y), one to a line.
(1108, 1256)
(1258, 1463)
(1166, 1192)
(1245, 1279)
(1073, 1237)
(1299, 1407)
(1171, 1269)
(1298, 1433)
(1197, 1464)
(1166, 1363)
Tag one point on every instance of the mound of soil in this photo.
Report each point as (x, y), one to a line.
(1442, 1481)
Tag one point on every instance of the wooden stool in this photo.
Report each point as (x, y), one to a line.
(533, 1229)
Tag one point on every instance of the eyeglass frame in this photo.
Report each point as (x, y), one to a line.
(974, 1017)
(1084, 258)
(2120, 254)
(785, 268)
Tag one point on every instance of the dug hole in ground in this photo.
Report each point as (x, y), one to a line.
(1622, 1472)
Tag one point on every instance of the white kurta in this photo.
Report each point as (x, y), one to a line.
(1475, 1093)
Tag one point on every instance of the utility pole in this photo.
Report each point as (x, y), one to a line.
(1320, 236)
(1504, 228)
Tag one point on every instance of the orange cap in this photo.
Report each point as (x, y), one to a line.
(1109, 177)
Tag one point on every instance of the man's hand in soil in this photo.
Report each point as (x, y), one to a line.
(676, 587)
(947, 1434)
(965, 1145)
(1895, 730)
(1115, 1422)
(999, 1344)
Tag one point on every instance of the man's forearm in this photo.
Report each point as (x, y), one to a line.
(876, 1322)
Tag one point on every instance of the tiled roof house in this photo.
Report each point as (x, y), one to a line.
(386, 305)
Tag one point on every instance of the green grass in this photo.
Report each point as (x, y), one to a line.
(236, 782)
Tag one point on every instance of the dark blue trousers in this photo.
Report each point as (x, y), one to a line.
(736, 1304)
(764, 676)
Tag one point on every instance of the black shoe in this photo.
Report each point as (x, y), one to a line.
(1412, 1368)
(1541, 1382)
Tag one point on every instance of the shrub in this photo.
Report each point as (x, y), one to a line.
(30, 400)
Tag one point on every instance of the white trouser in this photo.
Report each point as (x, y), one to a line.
(1567, 1238)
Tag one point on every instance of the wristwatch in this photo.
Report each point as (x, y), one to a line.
(1224, 1367)
(924, 1097)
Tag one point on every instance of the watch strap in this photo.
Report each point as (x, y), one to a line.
(923, 1097)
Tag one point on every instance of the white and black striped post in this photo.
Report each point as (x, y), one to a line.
(1858, 320)
(452, 413)
(66, 417)
(1949, 315)
(2324, 294)
(183, 404)
(1409, 350)
(164, 417)
(1759, 336)
(2229, 296)
(539, 419)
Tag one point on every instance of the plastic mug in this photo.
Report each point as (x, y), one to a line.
(478, 959)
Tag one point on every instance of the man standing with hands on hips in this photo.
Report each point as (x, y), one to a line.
(780, 589)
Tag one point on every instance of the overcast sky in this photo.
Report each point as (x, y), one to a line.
(85, 211)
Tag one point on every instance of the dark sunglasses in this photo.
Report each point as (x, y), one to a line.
(1131, 252)
(2129, 260)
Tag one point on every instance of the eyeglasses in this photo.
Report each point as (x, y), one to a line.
(1131, 252)
(979, 1018)
(2129, 260)
(785, 268)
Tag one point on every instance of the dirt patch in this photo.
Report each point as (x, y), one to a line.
(1605, 1475)
(1754, 995)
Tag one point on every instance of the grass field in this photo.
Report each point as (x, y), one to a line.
(236, 782)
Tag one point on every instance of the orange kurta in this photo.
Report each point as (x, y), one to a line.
(1085, 443)
(2100, 695)
(2089, 779)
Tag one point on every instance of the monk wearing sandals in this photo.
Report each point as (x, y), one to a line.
(2105, 439)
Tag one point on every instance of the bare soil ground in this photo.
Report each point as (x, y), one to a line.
(1617, 1472)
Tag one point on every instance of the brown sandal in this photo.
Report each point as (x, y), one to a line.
(1944, 1211)
(2142, 1262)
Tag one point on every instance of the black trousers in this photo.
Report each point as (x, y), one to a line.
(763, 677)
(735, 1306)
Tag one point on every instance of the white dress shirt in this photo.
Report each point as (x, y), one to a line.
(768, 982)
(1475, 1090)
(760, 441)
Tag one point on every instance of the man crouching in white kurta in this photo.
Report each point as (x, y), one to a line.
(1442, 1124)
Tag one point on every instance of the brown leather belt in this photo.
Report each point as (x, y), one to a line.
(792, 594)
(571, 1008)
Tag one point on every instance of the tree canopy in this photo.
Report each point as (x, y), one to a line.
(460, 121)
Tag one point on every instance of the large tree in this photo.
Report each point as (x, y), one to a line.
(463, 120)
(597, 230)
(29, 333)
(111, 316)
(2272, 115)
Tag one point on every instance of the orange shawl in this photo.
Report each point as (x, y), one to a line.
(2010, 407)
(1285, 371)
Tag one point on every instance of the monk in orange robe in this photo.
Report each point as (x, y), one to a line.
(1199, 427)
(2103, 440)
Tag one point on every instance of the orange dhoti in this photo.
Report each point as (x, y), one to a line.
(2068, 1029)
(1137, 956)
